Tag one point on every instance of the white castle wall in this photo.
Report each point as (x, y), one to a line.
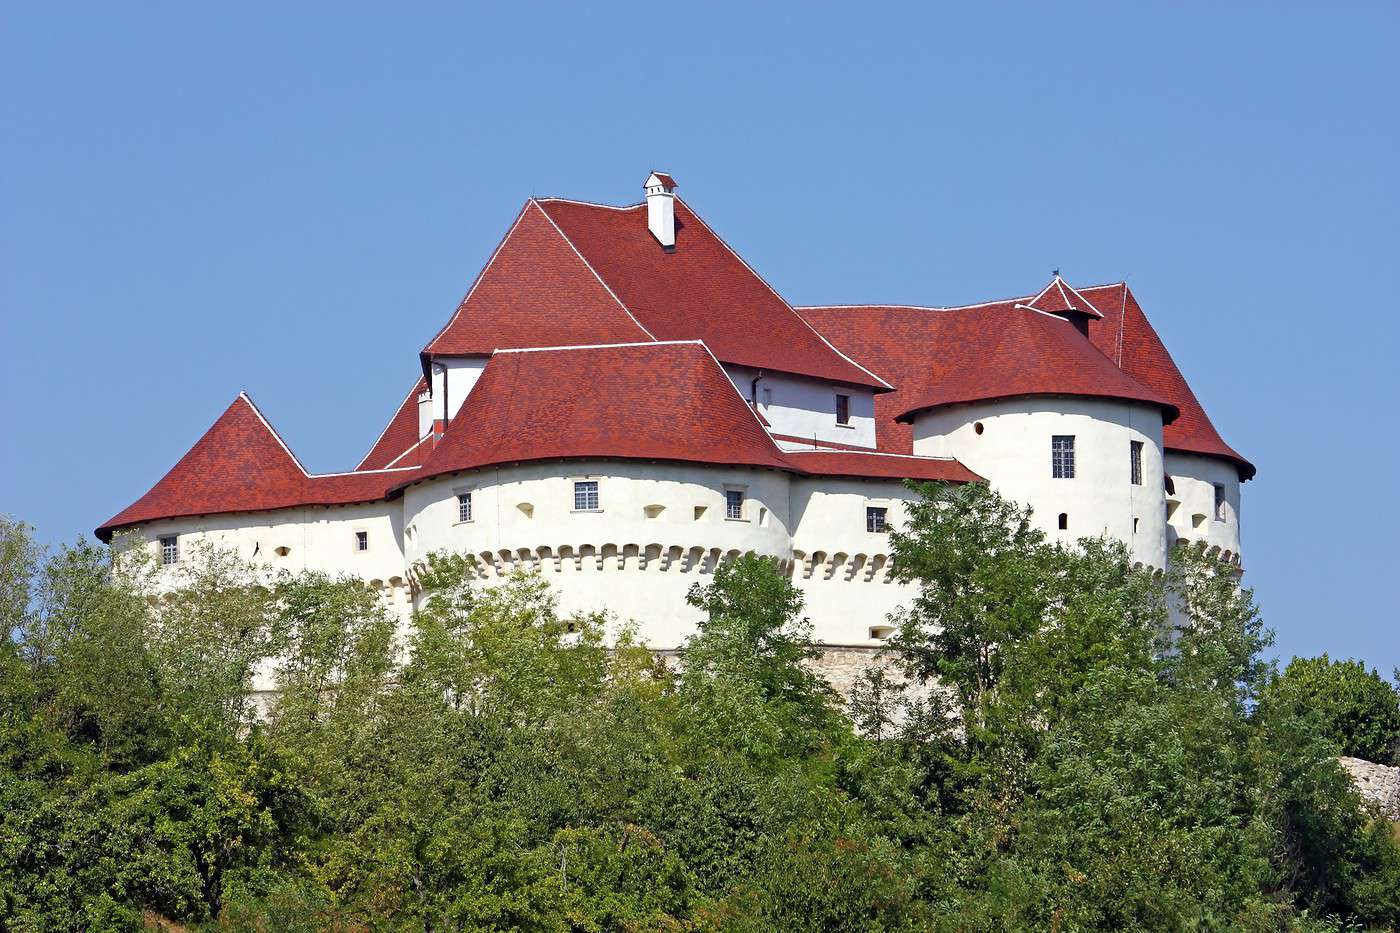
(806, 408)
(1013, 452)
(1191, 508)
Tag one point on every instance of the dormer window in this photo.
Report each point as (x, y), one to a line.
(169, 550)
(843, 409)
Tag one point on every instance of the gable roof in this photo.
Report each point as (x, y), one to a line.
(535, 291)
(241, 465)
(700, 290)
(1058, 297)
(1127, 338)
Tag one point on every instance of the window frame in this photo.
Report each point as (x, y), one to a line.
(1062, 456)
(1220, 501)
(361, 542)
(464, 498)
(843, 410)
(1135, 462)
(731, 513)
(877, 515)
(596, 494)
(169, 549)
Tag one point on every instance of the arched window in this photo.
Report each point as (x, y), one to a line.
(1064, 521)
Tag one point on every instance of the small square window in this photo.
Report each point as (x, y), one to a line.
(1219, 502)
(843, 409)
(1135, 461)
(875, 516)
(362, 540)
(464, 506)
(586, 496)
(169, 550)
(1062, 456)
(734, 503)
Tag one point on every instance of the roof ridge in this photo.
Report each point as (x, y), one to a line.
(611, 207)
(596, 346)
(557, 229)
(808, 324)
(461, 305)
(271, 430)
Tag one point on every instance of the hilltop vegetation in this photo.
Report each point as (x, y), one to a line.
(1086, 764)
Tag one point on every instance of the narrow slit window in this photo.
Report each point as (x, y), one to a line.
(734, 503)
(1062, 456)
(1064, 521)
(169, 550)
(1135, 456)
(362, 540)
(875, 519)
(464, 506)
(843, 409)
(1219, 502)
(586, 496)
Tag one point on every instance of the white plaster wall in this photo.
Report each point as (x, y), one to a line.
(617, 558)
(1013, 453)
(842, 569)
(807, 407)
(1192, 509)
(453, 379)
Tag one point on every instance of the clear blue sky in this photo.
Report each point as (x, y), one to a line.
(199, 199)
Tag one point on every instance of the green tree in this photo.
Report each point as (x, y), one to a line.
(1358, 710)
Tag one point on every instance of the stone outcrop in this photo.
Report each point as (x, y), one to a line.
(1377, 784)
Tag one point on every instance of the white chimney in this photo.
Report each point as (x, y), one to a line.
(661, 208)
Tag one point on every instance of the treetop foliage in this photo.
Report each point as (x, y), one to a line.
(1059, 740)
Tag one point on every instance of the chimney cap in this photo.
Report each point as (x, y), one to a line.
(661, 179)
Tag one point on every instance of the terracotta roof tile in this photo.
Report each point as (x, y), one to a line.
(535, 292)
(873, 465)
(701, 290)
(1128, 338)
(1058, 297)
(240, 465)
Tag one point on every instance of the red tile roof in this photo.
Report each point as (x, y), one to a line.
(943, 357)
(875, 465)
(648, 401)
(241, 465)
(399, 435)
(1127, 337)
(667, 401)
(535, 291)
(666, 180)
(701, 290)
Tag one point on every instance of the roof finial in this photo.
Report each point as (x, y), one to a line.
(1056, 273)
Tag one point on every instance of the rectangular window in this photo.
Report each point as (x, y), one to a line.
(1135, 455)
(362, 540)
(169, 550)
(586, 496)
(464, 506)
(1062, 456)
(1219, 502)
(875, 519)
(734, 503)
(843, 409)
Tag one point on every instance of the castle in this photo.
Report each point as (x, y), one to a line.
(620, 402)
